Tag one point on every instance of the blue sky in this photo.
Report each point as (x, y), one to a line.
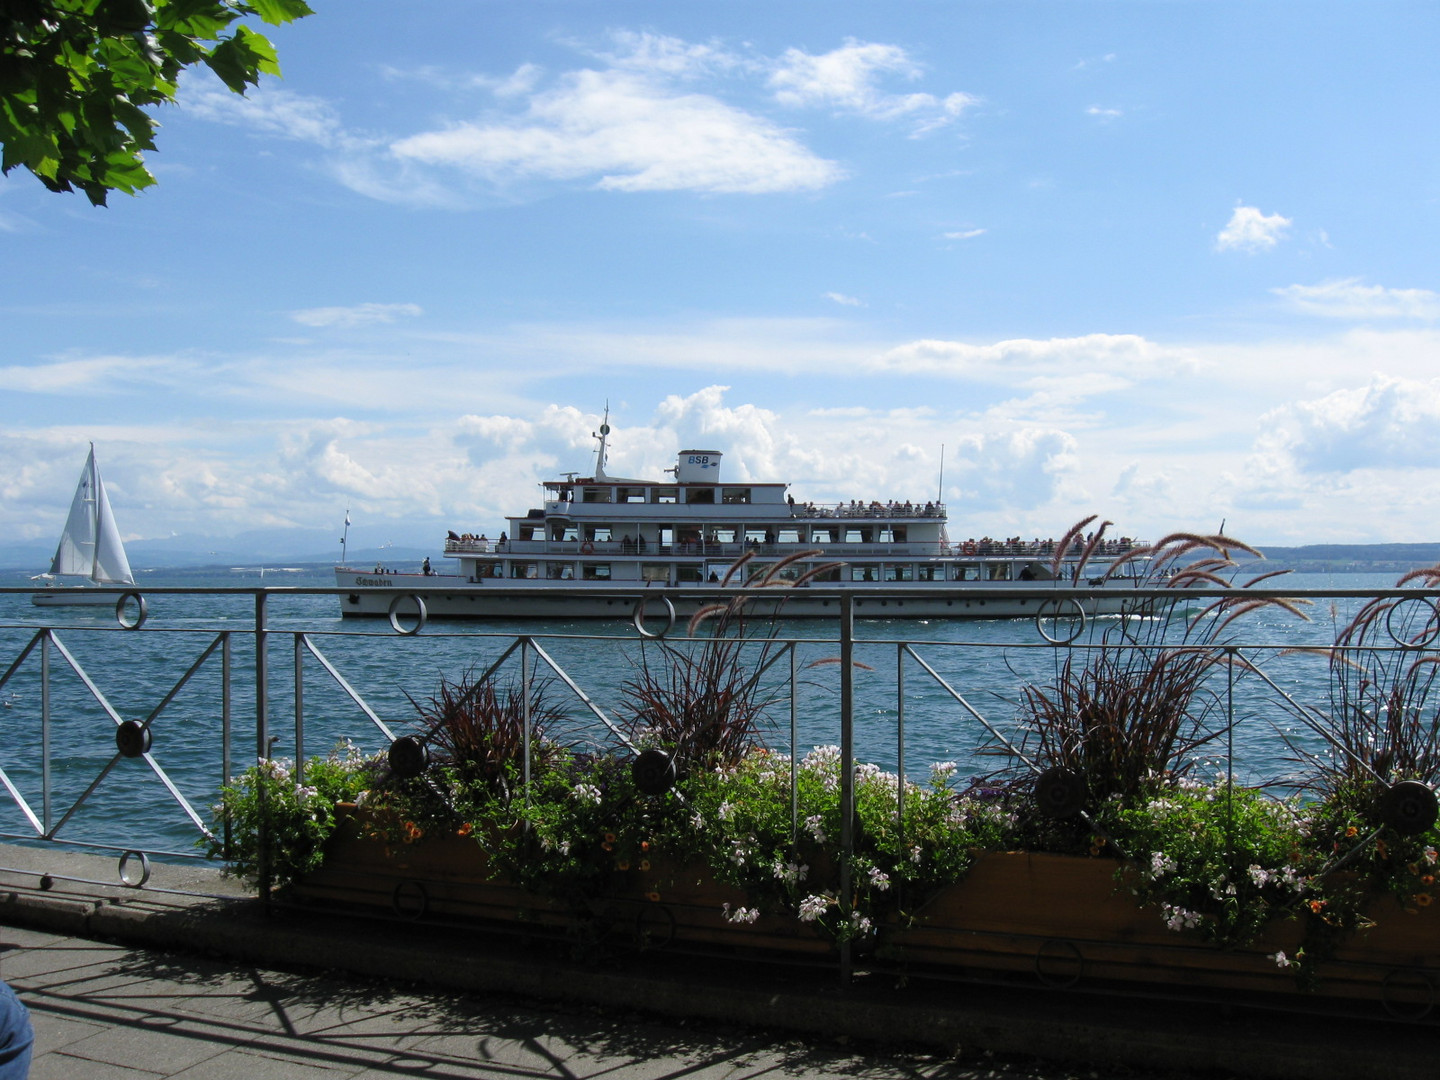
(1172, 263)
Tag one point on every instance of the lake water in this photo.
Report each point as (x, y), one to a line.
(133, 806)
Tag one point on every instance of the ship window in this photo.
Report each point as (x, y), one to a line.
(664, 495)
(892, 534)
(930, 572)
(560, 571)
(999, 571)
(564, 532)
(857, 536)
(531, 532)
(723, 536)
(965, 571)
(524, 570)
(687, 572)
(700, 495)
(789, 536)
(735, 495)
(632, 495)
(598, 533)
(655, 571)
(820, 536)
(863, 573)
(899, 572)
(598, 494)
(595, 571)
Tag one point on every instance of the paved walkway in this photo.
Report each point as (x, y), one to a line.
(189, 978)
(103, 1010)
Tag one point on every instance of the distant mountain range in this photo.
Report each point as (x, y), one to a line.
(1352, 558)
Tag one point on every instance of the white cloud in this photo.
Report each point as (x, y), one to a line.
(633, 135)
(1103, 114)
(269, 110)
(1349, 298)
(846, 79)
(1025, 358)
(966, 234)
(357, 315)
(1389, 423)
(1250, 230)
(841, 298)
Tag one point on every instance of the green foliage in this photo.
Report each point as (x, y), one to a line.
(1221, 861)
(740, 823)
(277, 824)
(77, 76)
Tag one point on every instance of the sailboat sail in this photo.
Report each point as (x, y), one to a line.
(91, 546)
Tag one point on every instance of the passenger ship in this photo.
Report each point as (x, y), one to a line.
(600, 544)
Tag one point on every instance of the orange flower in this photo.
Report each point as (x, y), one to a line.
(623, 864)
(1382, 849)
(1316, 906)
(609, 837)
(1423, 899)
(465, 829)
(608, 846)
(644, 864)
(644, 845)
(653, 897)
(1351, 831)
(1428, 879)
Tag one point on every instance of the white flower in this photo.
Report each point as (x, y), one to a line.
(815, 826)
(812, 907)
(941, 771)
(1160, 863)
(1281, 960)
(741, 914)
(726, 811)
(878, 879)
(1258, 874)
(588, 793)
(791, 873)
(915, 854)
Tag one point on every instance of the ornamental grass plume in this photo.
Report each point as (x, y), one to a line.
(1384, 719)
(1131, 706)
(705, 702)
(477, 729)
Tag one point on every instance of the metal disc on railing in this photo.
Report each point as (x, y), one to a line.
(122, 615)
(132, 739)
(128, 879)
(654, 926)
(1407, 993)
(408, 757)
(1052, 611)
(421, 613)
(1059, 793)
(1409, 807)
(639, 618)
(409, 899)
(1059, 963)
(1411, 634)
(653, 772)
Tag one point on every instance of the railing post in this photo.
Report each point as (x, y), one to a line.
(847, 770)
(299, 708)
(225, 763)
(900, 743)
(262, 738)
(45, 733)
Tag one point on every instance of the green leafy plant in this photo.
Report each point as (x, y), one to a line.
(77, 76)
(271, 823)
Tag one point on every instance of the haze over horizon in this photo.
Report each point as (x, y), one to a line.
(1169, 263)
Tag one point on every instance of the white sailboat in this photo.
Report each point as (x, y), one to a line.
(90, 547)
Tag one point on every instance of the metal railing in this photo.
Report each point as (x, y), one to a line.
(118, 731)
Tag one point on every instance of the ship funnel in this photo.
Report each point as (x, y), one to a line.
(698, 467)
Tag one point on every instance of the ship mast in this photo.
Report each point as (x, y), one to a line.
(600, 451)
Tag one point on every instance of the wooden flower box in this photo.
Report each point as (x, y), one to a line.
(1065, 920)
(654, 903)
